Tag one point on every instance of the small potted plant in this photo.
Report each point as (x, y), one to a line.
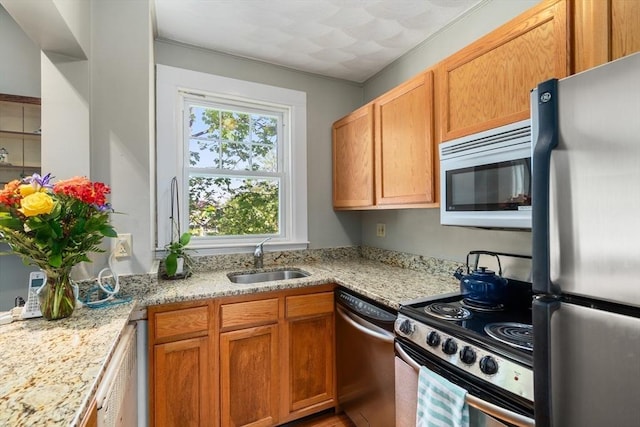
(177, 261)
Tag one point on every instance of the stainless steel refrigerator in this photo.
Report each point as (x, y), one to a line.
(586, 247)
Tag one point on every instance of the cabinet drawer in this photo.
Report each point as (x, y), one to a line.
(309, 305)
(250, 313)
(180, 322)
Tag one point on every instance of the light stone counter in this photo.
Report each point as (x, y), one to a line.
(50, 370)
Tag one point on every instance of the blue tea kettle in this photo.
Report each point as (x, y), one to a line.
(483, 286)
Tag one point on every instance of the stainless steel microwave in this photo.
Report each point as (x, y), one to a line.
(485, 178)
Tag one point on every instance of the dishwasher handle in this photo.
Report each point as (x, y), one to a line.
(378, 333)
(481, 405)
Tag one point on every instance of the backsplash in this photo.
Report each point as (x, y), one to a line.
(393, 258)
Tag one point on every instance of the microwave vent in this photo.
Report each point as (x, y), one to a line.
(499, 138)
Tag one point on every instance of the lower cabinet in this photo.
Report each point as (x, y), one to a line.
(309, 340)
(254, 360)
(249, 383)
(182, 386)
(180, 363)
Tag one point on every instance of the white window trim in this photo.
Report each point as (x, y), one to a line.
(170, 153)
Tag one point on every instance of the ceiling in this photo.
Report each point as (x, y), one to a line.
(347, 39)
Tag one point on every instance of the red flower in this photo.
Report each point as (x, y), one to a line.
(10, 196)
(94, 193)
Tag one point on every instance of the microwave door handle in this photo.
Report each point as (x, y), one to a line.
(483, 406)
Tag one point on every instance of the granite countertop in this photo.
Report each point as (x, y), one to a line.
(51, 370)
(386, 284)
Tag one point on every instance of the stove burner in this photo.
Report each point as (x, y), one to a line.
(446, 311)
(516, 335)
(479, 306)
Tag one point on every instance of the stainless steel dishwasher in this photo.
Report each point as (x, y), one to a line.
(365, 360)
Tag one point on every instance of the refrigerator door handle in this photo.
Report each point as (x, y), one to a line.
(543, 100)
(543, 308)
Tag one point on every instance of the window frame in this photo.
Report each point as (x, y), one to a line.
(173, 86)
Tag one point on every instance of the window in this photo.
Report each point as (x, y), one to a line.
(238, 150)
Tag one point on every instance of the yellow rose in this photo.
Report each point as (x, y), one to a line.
(36, 204)
(26, 189)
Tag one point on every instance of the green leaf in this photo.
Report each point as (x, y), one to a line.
(108, 231)
(12, 223)
(185, 239)
(55, 260)
(171, 264)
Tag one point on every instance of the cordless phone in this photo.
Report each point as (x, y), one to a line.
(37, 279)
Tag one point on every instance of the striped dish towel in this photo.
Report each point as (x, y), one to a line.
(440, 402)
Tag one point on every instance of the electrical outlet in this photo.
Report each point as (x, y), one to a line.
(380, 230)
(124, 246)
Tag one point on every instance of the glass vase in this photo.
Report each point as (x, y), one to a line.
(56, 297)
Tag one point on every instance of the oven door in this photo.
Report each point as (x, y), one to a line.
(482, 413)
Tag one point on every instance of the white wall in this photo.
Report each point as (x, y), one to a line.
(419, 231)
(96, 106)
(327, 100)
(20, 64)
(121, 143)
(19, 75)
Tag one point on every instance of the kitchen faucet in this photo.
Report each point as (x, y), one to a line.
(258, 254)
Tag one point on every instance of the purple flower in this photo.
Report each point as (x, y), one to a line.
(39, 181)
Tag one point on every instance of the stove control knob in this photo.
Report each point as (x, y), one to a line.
(406, 327)
(488, 365)
(467, 355)
(433, 339)
(449, 346)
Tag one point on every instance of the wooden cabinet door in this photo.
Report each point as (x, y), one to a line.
(404, 161)
(182, 383)
(604, 30)
(353, 160)
(309, 362)
(625, 27)
(487, 84)
(249, 377)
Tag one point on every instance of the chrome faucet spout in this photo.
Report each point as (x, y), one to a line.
(258, 254)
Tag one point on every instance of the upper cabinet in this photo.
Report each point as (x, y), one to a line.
(383, 153)
(353, 160)
(487, 83)
(404, 166)
(604, 30)
(19, 137)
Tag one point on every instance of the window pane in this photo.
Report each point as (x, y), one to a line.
(264, 158)
(204, 153)
(235, 156)
(264, 129)
(235, 126)
(204, 123)
(226, 206)
(232, 140)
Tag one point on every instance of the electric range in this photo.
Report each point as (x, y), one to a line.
(487, 350)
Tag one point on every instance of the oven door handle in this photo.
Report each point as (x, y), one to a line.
(379, 333)
(483, 406)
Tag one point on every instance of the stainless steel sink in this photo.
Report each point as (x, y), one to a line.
(266, 276)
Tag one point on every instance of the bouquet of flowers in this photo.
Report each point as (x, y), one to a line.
(54, 226)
